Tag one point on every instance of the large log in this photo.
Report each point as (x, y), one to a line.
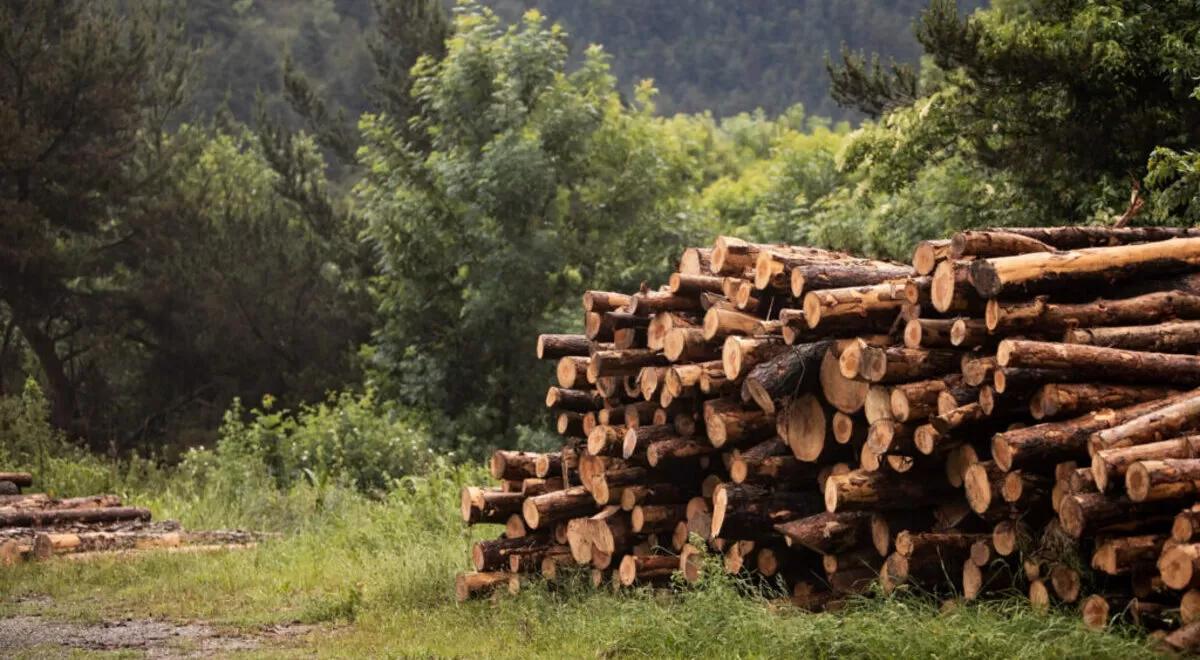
(791, 371)
(927, 254)
(1109, 464)
(1060, 399)
(804, 424)
(1094, 513)
(993, 243)
(1166, 479)
(898, 364)
(22, 479)
(557, 505)
(992, 277)
(744, 510)
(861, 490)
(843, 274)
(950, 289)
(1054, 442)
(53, 517)
(735, 425)
(1047, 317)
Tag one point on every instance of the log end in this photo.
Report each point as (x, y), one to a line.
(1137, 482)
(529, 511)
(978, 487)
(1176, 567)
(1095, 612)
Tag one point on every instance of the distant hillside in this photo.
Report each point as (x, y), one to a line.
(723, 56)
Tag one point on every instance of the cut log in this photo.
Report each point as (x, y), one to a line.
(1181, 414)
(860, 490)
(1099, 362)
(622, 363)
(1089, 514)
(606, 440)
(1180, 566)
(828, 533)
(841, 274)
(845, 394)
(861, 301)
(951, 290)
(654, 302)
(471, 584)
(636, 440)
(1166, 479)
(514, 465)
(977, 370)
(793, 370)
(1062, 399)
(910, 544)
(1122, 555)
(558, 505)
(890, 437)
(1025, 490)
(1173, 337)
(1186, 526)
(684, 284)
(744, 510)
(696, 261)
(554, 347)
(599, 302)
(656, 518)
(1054, 442)
(899, 365)
(54, 517)
(993, 243)
(804, 426)
(772, 470)
(1085, 236)
(493, 555)
(983, 483)
(720, 323)
(958, 417)
(654, 494)
(677, 449)
(1044, 316)
(736, 426)
(740, 354)
(646, 569)
(488, 506)
(689, 345)
(1110, 464)
(918, 400)
(992, 277)
(1065, 582)
(572, 371)
(928, 253)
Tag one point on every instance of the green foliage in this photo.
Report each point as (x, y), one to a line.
(1032, 112)
(536, 181)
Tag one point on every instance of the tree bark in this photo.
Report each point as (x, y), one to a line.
(622, 363)
(791, 371)
(488, 506)
(554, 347)
(1111, 364)
(1095, 513)
(859, 301)
(685, 284)
(493, 555)
(918, 400)
(1043, 316)
(859, 490)
(1173, 337)
(636, 440)
(828, 533)
(843, 274)
(741, 354)
(514, 465)
(1181, 414)
(898, 365)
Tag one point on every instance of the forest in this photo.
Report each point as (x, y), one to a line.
(294, 243)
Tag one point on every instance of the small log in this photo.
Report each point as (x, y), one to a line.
(860, 490)
(554, 347)
(688, 345)
(1171, 337)
(1085, 236)
(898, 365)
(861, 301)
(636, 440)
(928, 253)
(572, 371)
(1122, 555)
(740, 354)
(978, 370)
(910, 544)
(696, 261)
(1093, 513)
(958, 417)
(918, 400)
(622, 363)
(1181, 414)
(1044, 316)
(471, 584)
(19, 479)
(734, 425)
(1180, 566)
(993, 243)
(950, 290)
(656, 518)
(55, 517)
(645, 569)
(790, 371)
(558, 505)
(1186, 526)
(841, 274)
(1062, 399)
(488, 506)
(983, 483)
(845, 394)
(606, 440)
(489, 556)
(828, 533)
(677, 449)
(804, 426)
(890, 437)
(685, 284)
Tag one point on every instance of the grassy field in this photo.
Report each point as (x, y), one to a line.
(375, 578)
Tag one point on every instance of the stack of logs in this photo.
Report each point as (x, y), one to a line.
(1013, 410)
(37, 526)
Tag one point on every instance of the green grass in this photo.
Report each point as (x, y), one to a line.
(377, 578)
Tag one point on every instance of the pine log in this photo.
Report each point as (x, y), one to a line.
(21, 479)
(606, 440)
(654, 302)
(804, 425)
(845, 394)
(983, 483)
(1053, 442)
(470, 584)
(898, 365)
(1061, 399)
(599, 302)
(950, 290)
(677, 449)
(736, 426)
(993, 243)
(645, 569)
(1110, 464)
(977, 579)
(918, 400)
(740, 354)
(598, 327)
(991, 277)
(573, 400)
(720, 323)
(878, 405)
(696, 261)
(53, 517)
(1085, 236)
(1186, 526)
(660, 518)
(684, 284)
(43, 501)
(1044, 316)
(1182, 414)
(1172, 337)
(488, 506)
(554, 347)
(860, 490)
(537, 486)
(1087, 515)
(792, 370)
(688, 345)
(745, 510)
(569, 424)
(652, 494)
(640, 413)
(1166, 479)
(572, 371)
(1180, 566)
(622, 363)
(558, 505)
(636, 440)
(977, 370)
(828, 533)
(1024, 490)
(1122, 555)
(489, 556)
(772, 470)
(958, 417)
(890, 437)
(662, 324)
(841, 274)
(858, 301)
(928, 253)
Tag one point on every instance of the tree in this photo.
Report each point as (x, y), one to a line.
(82, 86)
(1031, 111)
(535, 180)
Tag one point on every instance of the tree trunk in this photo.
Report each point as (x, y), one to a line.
(636, 440)
(899, 365)
(684, 284)
(918, 400)
(1095, 513)
(741, 354)
(950, 289)
(805, 426)
(622, 363)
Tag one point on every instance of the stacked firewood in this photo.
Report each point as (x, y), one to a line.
(1016, 409)
(37, 526)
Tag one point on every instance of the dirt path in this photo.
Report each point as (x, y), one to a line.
(35, 635)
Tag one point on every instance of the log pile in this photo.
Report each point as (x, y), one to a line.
(1019, 408)
(35, 526)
